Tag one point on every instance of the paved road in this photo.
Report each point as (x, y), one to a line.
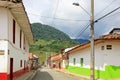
(51, 74)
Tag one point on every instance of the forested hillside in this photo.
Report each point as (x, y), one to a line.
(48, 40)
(47, 33)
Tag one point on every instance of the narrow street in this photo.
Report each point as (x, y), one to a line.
(51, 74)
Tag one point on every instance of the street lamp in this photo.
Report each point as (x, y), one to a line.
(76, 4)
(91, 38)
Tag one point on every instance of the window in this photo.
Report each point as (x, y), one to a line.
(74, 61)
(102, 47)
(108, 47)
(14, 26)
(81, 61)
(20, 38)
(24, 43)
(20, 63)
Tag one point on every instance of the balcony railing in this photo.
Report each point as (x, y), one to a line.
(15, 1)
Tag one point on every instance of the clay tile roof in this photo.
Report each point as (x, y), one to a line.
(110, 36)
(56, 57)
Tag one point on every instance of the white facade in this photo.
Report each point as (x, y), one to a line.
(3, 58)
(103, 56)
(15, 37)
(6, 43)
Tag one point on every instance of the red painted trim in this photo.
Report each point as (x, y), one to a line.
(5, 76)
(20, 73)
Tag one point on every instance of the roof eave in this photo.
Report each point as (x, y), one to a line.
(20, 15)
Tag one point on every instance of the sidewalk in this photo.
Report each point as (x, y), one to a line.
(72, 74)
(27, 76)
(80, 76)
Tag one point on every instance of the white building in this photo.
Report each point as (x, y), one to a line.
(107, 57)
(15, 37)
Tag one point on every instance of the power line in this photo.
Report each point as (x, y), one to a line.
(106, 7)
(55, 11)
(106, 15)
(83, 30)
(69, 19)
(98, 20)
(58, 18)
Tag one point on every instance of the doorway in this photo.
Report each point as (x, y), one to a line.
(11, 68)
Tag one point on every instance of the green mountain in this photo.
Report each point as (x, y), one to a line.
(47, 33)
(48, 40)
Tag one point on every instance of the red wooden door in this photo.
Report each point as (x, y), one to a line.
(11, 68)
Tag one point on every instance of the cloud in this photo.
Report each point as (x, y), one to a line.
(66, 17)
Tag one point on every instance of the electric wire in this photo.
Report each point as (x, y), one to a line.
(76, 32)
(87, 26)
(106, 7)
(98, 20)
(96, 15)
(107, 14)
(84, 10)
(54, 14)
(83, 30)
(59, 18)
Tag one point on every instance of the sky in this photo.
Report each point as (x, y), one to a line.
(73, 20)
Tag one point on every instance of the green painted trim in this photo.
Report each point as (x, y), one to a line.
(109, 73)
(112, 71)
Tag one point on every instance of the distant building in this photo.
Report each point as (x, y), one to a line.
(55, 61)
(15, 37)
(33, 61)
(107, 57)
(115, 30)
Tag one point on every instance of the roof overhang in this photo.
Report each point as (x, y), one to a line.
(20, 15)
(86, 45)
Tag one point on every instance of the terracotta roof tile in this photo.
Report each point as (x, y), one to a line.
(110, 36)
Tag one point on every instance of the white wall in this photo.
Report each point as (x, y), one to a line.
(15, 51)
(107, 57)
(3, 38)
(3, 24)
(6, 43)
(102, 57)
(17, 55)
(99, 56)
(85, 54)
(3, 58)
(112, 57)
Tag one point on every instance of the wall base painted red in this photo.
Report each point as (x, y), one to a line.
(5, 76)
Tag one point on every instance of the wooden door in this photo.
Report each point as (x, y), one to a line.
(11, 68)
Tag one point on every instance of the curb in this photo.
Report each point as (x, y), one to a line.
(27, 76)
(72, 74)
(30, 77)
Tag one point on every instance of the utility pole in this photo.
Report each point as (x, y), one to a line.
(92, 54)
(92, 57)
(91, 38)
